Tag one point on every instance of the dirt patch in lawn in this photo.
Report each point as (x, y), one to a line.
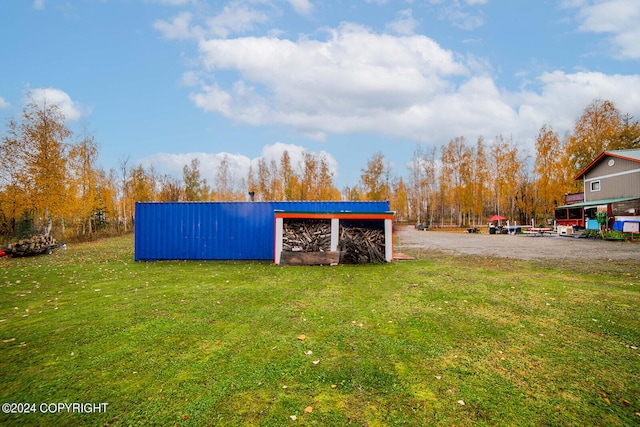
(520, 246)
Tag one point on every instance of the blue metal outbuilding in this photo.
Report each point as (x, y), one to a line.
(220, 230)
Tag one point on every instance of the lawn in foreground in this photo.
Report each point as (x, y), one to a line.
(439, 341)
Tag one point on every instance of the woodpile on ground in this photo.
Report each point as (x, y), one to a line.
(306, 236)
(36, 245)
(361, 245)
(309, 242)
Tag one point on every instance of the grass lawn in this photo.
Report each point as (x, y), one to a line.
(439, 341)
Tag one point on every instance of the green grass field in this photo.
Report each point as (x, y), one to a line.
(438, 341)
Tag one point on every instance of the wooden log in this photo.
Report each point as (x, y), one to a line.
(308, 242)
(301, 236)
(362, 245)
(35, 246)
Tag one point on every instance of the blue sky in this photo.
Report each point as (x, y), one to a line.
(163, 81)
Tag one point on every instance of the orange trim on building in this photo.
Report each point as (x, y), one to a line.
(340, 215)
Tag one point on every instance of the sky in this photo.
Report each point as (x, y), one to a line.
(164, 81)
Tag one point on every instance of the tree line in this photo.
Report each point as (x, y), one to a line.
(463, 183)
(50, 181)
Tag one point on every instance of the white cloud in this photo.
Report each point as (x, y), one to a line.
(337, 85)
(191, 79)
(573, 3)
(619, 18)
(178, 28)
(357, 81)
(462, 19)
(562, 97)
(212, 98)
(296, 154)
(38, 4)
(72, 110)
(241, 103)
(464, 14)
(170, 2)
(303, 7)
(239, 164)
(404, 24)
(235, 18)
(3, 103)
(351, 79)
(173, 164)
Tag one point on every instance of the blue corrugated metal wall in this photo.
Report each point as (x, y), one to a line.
(220, 230)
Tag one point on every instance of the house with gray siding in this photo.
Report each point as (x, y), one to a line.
(613, 175)
(611, 185)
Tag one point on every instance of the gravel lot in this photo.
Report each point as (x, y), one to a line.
(515, 246)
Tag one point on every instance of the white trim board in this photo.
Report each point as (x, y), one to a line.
(595, 178)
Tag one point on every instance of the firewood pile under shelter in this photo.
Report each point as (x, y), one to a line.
(306, 236)
(333, 238)
(360, 245)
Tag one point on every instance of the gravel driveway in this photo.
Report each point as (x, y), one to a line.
(519, 246)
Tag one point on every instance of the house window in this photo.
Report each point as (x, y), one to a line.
(595, 185)
(575, 213)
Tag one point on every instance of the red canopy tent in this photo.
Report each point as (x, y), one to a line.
(497, 218)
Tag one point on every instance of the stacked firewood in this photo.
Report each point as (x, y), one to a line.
(306, 236)
(361, 245)
(355, 245)
(35, 246)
